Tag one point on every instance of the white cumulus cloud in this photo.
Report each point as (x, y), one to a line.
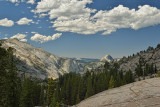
(14, 1)
(109, 21)
(75, 16)
(42, 38)
(31, 1)
(64, 9)
(24, 21)
(6, 23)
(20, 37)
(18, 1)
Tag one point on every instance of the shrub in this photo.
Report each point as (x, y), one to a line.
(158, 74)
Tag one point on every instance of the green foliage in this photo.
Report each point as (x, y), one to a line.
(32, 93)
(158, 46)
(9, 80)
(150, 48)
(68, 89)
(50, 90)
(72, 88)
(54, 101)
(158, 74)
(145, 69)
(27, 94)
(111, 83)
(14, 91)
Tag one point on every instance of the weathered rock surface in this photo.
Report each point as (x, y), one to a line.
(144, 93)
(38, 63)
(151, 56)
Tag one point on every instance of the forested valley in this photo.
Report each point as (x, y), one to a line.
(21, 91)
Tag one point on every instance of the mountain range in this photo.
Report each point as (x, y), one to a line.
(36, 62)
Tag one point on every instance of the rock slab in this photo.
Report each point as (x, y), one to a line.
(145, 93)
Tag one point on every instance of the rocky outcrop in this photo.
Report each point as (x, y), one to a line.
(144, 93)
(149, 56)
(38, 63)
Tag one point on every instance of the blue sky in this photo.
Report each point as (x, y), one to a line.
(83, 28)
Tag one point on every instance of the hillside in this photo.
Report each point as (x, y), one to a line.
(38, 63)
(149, 56)
(144, 93)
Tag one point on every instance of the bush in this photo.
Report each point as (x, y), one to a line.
(158, 74)
(158, 46)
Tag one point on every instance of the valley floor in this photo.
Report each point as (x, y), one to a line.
(145, 93)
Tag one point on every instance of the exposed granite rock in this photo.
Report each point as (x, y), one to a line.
(144, 93)
(38, 63)
(152, 56)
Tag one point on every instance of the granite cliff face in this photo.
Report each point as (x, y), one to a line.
(39, 63)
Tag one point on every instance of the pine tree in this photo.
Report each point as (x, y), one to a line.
(118, 81)
(26, 99)
(77, 99)
(9, 80)
(155, 69)
(111, 83)
(89, 87)
(158, 74)
(53, 101)
(50, 90)
(41, 102)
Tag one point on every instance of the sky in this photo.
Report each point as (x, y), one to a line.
(83, 28)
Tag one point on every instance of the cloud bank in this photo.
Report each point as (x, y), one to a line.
(109, 21)
(42, 38)
(74, 16)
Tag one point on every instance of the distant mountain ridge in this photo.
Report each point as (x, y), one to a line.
(107, 58)
(38, 63)
(85, 60)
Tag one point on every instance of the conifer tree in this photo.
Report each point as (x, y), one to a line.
(9, 80)
(26, 99)
(50, 90)
(89, 87)
(42, 99)
(111, 83)
(77, 99)
(53, 101)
